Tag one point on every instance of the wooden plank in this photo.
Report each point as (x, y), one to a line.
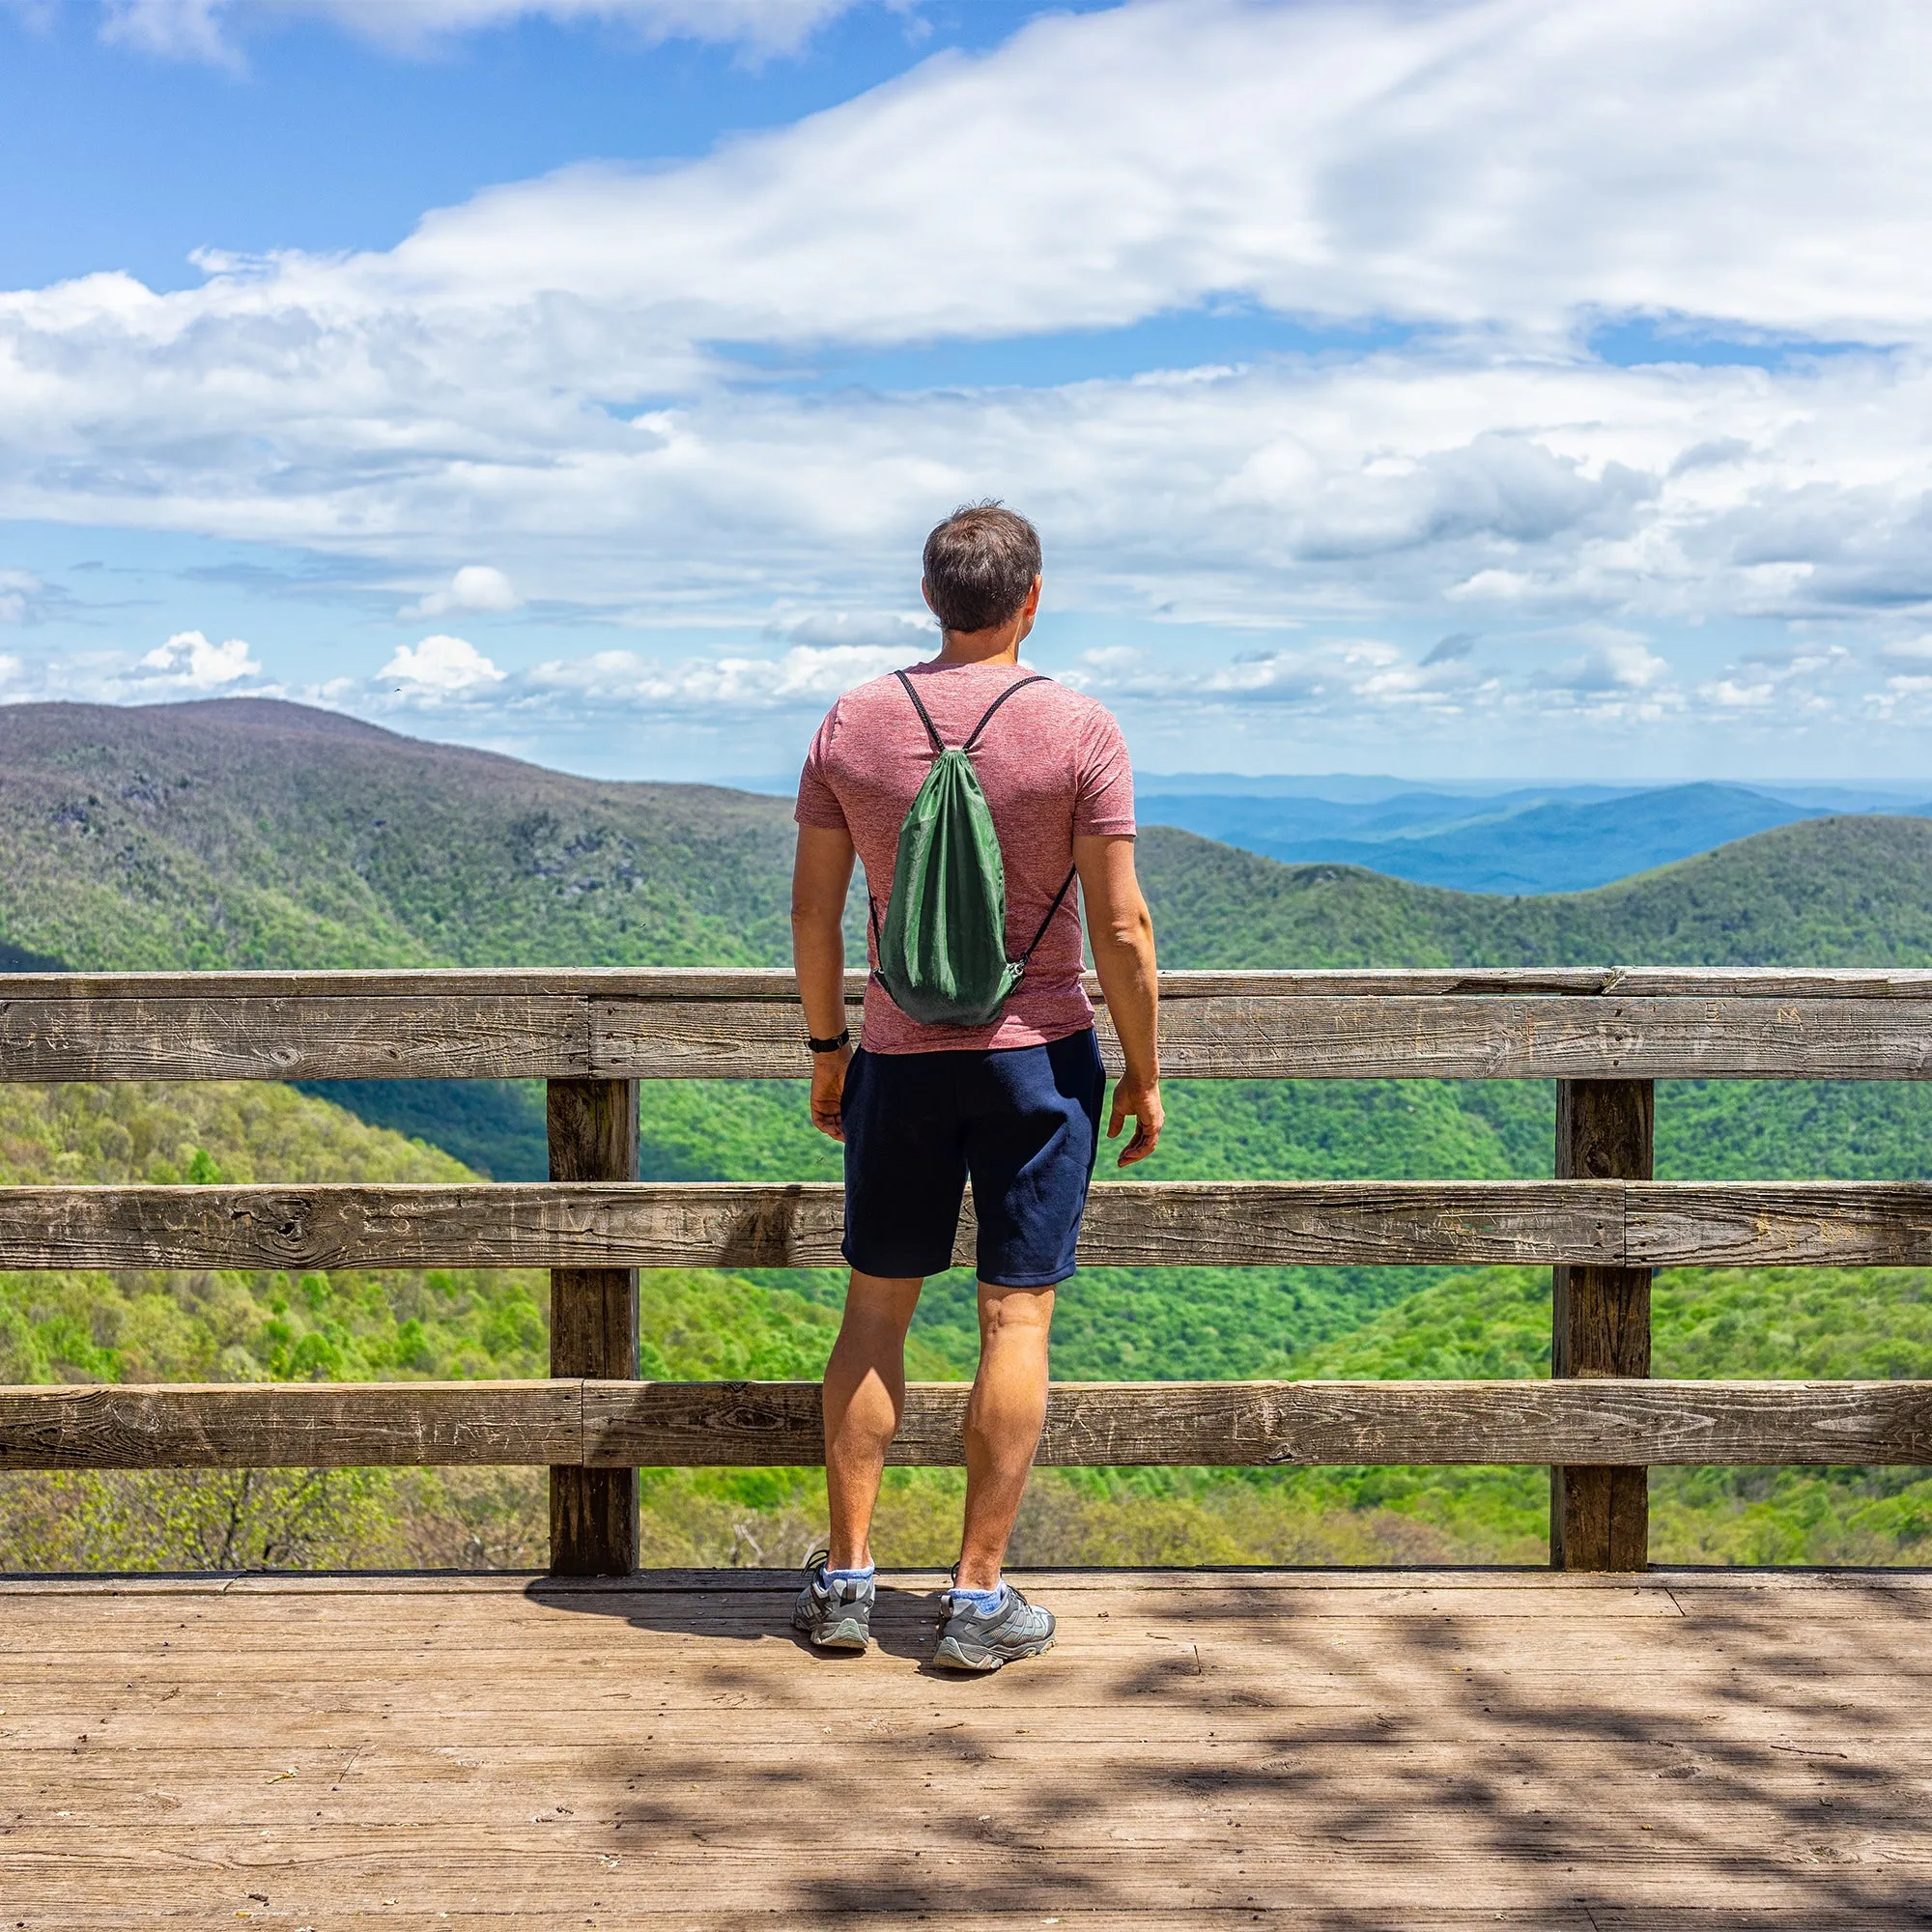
(592, 1127)
(628, 1423)
(1174, 1762)
(1600, 1517)
(764, 982)
(290, 1425)
(1767, 1224)
(435, 1036)
(433, 1025)
(1355, 1037)
(727, 1224)
(719, 1224)
(1302, 1424)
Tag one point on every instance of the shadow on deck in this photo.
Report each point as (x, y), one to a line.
(1344, 1750)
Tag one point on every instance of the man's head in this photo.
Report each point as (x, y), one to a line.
(982, 567)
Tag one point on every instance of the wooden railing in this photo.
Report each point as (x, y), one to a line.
(1602, 1224)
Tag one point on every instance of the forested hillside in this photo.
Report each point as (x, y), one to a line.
(242, 832)
(1831, 891)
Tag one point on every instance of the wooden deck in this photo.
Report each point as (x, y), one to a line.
(1356, 1749)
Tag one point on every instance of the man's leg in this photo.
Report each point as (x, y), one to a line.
(865, 1396)
(1004, 1418)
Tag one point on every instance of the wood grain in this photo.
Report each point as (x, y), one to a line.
(727, 1224)
(1599, 1316)
(608, 1426)
(676, 1024)
(1235, 1423)
(1395, 1036)
(1767, 1224)
(290, 1425)
(297, 1036)
(1269, 1750)
(592, 1131)
(564, 1225)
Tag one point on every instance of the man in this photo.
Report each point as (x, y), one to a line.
(1014, 1104)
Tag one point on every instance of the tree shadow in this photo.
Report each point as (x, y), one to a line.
(1559, 1754)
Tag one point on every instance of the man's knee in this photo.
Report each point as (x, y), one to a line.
(1014, 1312)
(879, 1307)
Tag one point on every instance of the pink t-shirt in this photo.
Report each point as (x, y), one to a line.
(1052, 764)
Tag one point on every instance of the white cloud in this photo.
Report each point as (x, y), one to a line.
(1610, 664)
(900, 635)
(188, 660)
(536, 377)
(1340, 678)
(1508, 169)
(1496, 161)
(441, 664)
(195, 28)
(18, 590)
(800, 677)
(475, 588)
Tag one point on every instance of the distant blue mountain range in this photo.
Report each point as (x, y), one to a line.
(1551, 840)
(1474, 838)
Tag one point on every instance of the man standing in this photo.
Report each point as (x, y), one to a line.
(1013, 1104)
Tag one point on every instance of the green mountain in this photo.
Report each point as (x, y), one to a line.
(245, 831)
(1828, 892)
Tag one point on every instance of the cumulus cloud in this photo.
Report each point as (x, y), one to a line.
(1496, 161)
(475, 588)
(802, 676)
(1611, 664)
(188, 661)
(902, 636)
(199, 28)
(1331, 160)
(442, 665)
(550, 375)
(19, 590)
(1338, 678)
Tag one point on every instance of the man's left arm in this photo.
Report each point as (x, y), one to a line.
(821, 876)
(1120, 931)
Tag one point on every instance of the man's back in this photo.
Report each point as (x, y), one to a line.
(1052, 764)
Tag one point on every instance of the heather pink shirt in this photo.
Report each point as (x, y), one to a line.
(1051, 764)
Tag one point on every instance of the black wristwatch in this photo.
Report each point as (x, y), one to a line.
(830, 1045)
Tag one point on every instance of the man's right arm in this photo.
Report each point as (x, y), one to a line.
(821, 874)
(1120, 931)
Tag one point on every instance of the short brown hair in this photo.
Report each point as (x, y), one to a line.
(979, 564)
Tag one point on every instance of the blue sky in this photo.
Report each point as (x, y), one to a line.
(1509, 388)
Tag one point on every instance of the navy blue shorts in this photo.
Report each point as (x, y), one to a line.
(1023, 1122)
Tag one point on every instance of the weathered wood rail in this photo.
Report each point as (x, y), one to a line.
(1602, 1224)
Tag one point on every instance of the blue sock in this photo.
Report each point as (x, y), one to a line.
(864, 1576)
(984, 1602)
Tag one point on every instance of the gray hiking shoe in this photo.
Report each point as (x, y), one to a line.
(835, 1614)
(974, 1640)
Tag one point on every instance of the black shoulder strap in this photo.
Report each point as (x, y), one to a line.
(1065, 886)
(1018, 684)
(924, 717)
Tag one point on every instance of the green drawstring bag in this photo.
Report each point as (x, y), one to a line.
(943, 951)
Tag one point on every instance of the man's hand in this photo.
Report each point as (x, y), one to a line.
(1142, 1100)
(828, 1088)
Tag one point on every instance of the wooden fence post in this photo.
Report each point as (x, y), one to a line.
(1599, 1515)
(593, 1327)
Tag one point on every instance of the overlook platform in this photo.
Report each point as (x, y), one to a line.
(1287, 1748)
